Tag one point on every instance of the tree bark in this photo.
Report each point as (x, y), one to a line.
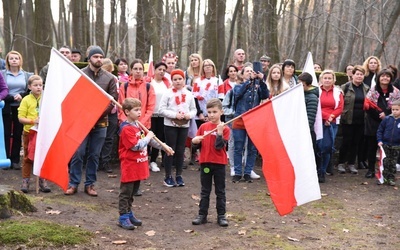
(231, 31)
(100, 40)
(388, 27)
(42, 35)
(11, 201)
(210, 32)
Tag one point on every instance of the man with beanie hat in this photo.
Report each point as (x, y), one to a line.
(95, 139)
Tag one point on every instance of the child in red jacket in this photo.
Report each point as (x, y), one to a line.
(134, 160)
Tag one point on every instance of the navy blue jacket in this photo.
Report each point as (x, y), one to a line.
(389, 131)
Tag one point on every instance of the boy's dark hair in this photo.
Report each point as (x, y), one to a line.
(34, 78)
(130, 103)
(306, 77)
(214, 102)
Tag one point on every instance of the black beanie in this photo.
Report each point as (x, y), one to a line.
(95, 50)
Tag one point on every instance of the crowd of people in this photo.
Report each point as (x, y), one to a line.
(180, 107)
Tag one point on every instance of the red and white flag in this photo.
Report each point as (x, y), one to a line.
(71, 105)
(150, 71)
(379, 173)
(309, 68)
(279, 130)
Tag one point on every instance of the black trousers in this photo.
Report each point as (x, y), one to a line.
(12, 129)
(353, 135)
(372, 146)
(207, 172)
(175, 138)
(157, 126)
(127, 190)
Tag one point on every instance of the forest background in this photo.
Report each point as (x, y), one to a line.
(337, 32)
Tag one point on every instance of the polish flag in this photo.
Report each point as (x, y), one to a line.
(150, 72)
(379, 173)
(309, 68)
(279, 130)
(71, 105)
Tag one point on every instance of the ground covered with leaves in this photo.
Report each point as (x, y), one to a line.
(354, 213)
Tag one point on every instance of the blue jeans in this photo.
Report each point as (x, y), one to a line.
(239, 137)
(326, 146)
(94, 141)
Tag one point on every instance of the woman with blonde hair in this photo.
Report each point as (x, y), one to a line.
(331, 99)
(372, 65)
(193, 71)
(275, 82)
(17, 82)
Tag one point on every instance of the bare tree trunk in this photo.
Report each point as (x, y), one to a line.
(179, 27)
(326, 38)
(348, 48)
(300, 36)
(192, 26)
(77, 24)
(210, 35)
(29, 17)
(387, 28)
(198, 29)
(231, 31)
(221, 6)
(7, 30)
(123, 31)
(100, 23)
(42, 20)
(111, 33)
(271, 30)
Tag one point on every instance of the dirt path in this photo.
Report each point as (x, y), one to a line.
(354, 213)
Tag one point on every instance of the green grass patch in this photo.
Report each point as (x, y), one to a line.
(41, 234)
(65, 200)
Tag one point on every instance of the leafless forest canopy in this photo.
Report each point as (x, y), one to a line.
(337, 32)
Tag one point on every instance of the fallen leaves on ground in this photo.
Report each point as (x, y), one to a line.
(345, 230)
(150, 233)
(195, 197)
(293, 239)
(53, 212)
(112, 176)
(242, 232)
(119, 242)
(189, 231)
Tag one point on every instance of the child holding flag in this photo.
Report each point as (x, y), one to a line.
(134, 160)
(388, 137)
(212, 162)
(28, 115)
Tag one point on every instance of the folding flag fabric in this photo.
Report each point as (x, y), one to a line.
(309, 68)
(150, 72)
(71, 105)
(379, 173)
(279, 130)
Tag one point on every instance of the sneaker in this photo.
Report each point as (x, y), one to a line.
(179, 181)
(247, 178)
(43, 186)
(398, 167)
(71, 190)
(90, 190)
(138, 193)
(135, 221)
(236, 178)
(222, 221)
(321, 178)
(353, 169)
(341, 169)
(107, 168)
(232, 171)
(254, 176)
(154, 167)
(370, 174)
(125, 222)
(200, 219)
(16, 166)
(391, 182)
(169, 182)
(25, 185)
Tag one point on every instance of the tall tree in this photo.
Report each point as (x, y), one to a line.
(271, 46)
(221, 7)
(100, 23)
(29, 62)
(210, 41)
(387, 28)
(123, 32)
(78, 30)
(43, 20)
(192, 28)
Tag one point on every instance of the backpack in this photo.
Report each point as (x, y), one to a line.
(126, 87)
